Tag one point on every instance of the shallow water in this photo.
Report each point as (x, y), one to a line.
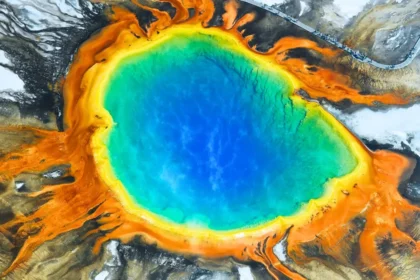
(208, 137)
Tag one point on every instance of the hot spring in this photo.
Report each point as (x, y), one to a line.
(208, 137)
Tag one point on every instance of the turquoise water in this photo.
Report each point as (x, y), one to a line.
(204, 136)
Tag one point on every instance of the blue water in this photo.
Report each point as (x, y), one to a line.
(209, 141)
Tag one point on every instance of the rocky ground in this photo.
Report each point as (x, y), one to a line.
(384, 30)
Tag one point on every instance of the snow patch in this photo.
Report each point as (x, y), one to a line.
(341, 11)
(3, 59)
(245, 273)
(304, 8)
(351, 8)
(398, 127)
(112, 249)
(69, 7)
(53, 174)
(332, 15)
(280, 249)
(38, 15)
(102, 275)
(19, 185)
(10, 81)
(273, 2)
